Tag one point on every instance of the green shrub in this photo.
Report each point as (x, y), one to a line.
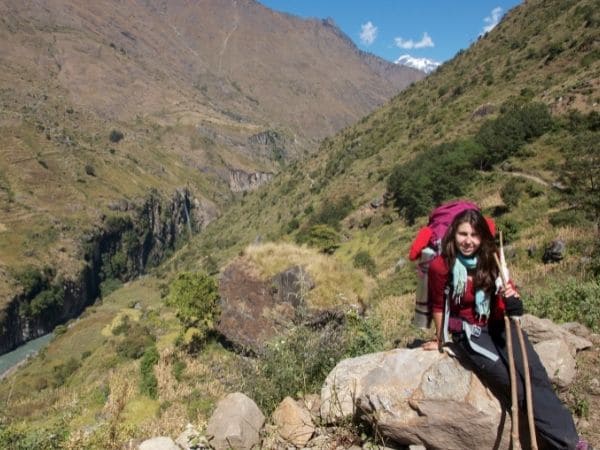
(571, 301)
(363, 260)
(135, 342)
(196, 298)
(435, 175)
(63, 371)
(323, 237)
(178, 368)
(299, 361)
(20, 437)
(32, 280)
(60, 329)
(332, 212)
(569, 217)
(109, 285)
(149, 382)
(198, 404)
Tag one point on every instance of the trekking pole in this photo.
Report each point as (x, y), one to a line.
(511, 366)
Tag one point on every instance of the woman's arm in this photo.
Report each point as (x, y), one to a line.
(437, 320)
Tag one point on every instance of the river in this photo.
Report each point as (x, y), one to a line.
(12, 359)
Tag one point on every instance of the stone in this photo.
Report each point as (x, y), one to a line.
(293, 422)
(250, 312)
(540, 330)
(556, 358)
(159, 443)
(236, 423)
(191, 439)
(293, 285)
(554, 252)
(416, 397)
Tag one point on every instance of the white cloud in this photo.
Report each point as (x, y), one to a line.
(425, 41)
(368, 33)
(492, 20)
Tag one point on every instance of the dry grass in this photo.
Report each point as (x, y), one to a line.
(336, 283)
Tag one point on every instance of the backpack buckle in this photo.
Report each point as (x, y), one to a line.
(476, 330)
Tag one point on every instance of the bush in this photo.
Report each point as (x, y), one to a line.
(569, 217)
(177, 369)
(363, 260)
(63, 371)
(332, 212)
(135, 342)
(299, 361)
(149, 382)
(323, 237)
(196, 299)
(435, 175)
(518, 124)
(571, 301)
(115, 136)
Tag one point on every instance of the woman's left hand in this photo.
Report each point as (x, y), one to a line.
(509, 291)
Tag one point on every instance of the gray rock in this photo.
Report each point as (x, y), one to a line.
(417, 397)
(556, 358)
(236, 423)
(554, 252)
(293, 422)
(159, 443)
(292, 285)
(540, 330)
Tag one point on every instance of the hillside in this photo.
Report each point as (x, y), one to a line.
(105, 102)
(511, 123)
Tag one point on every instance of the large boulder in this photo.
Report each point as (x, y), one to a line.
(540, 330)
(415, 397)
(236, 423)
(556, 358)
(251, 314)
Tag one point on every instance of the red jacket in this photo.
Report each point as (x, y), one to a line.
(438, 275)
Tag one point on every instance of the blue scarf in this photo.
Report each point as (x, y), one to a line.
(459, 285)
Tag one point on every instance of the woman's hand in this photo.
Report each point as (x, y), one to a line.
(509, 291)
(430, 345)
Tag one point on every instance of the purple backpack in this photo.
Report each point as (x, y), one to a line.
(441, 218)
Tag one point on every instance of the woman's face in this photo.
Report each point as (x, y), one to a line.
(467, 239)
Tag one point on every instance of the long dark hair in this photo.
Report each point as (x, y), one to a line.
(486, 271)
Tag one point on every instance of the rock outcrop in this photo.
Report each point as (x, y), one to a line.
(293, 422)
(122, 247)
(253, 310)
(241, 181)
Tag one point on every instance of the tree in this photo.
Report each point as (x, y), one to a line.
(195, 296)
(581, 171)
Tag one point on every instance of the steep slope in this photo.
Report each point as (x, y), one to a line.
(104, 101)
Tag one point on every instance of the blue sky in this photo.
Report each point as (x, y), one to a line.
(433, 29)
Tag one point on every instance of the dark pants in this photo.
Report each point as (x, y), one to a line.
(553, 422)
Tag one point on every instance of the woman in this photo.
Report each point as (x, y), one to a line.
(464, 277)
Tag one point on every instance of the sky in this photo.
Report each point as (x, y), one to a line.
(433, 29)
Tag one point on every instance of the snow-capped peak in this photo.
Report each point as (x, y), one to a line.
(423, 64)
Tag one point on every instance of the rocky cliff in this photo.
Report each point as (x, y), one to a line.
(135, 237)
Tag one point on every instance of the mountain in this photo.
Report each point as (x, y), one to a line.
(104, 102)
(423, 64)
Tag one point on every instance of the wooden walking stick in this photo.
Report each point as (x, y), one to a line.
(511, 364)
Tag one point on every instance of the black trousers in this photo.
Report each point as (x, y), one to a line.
(554, 423)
